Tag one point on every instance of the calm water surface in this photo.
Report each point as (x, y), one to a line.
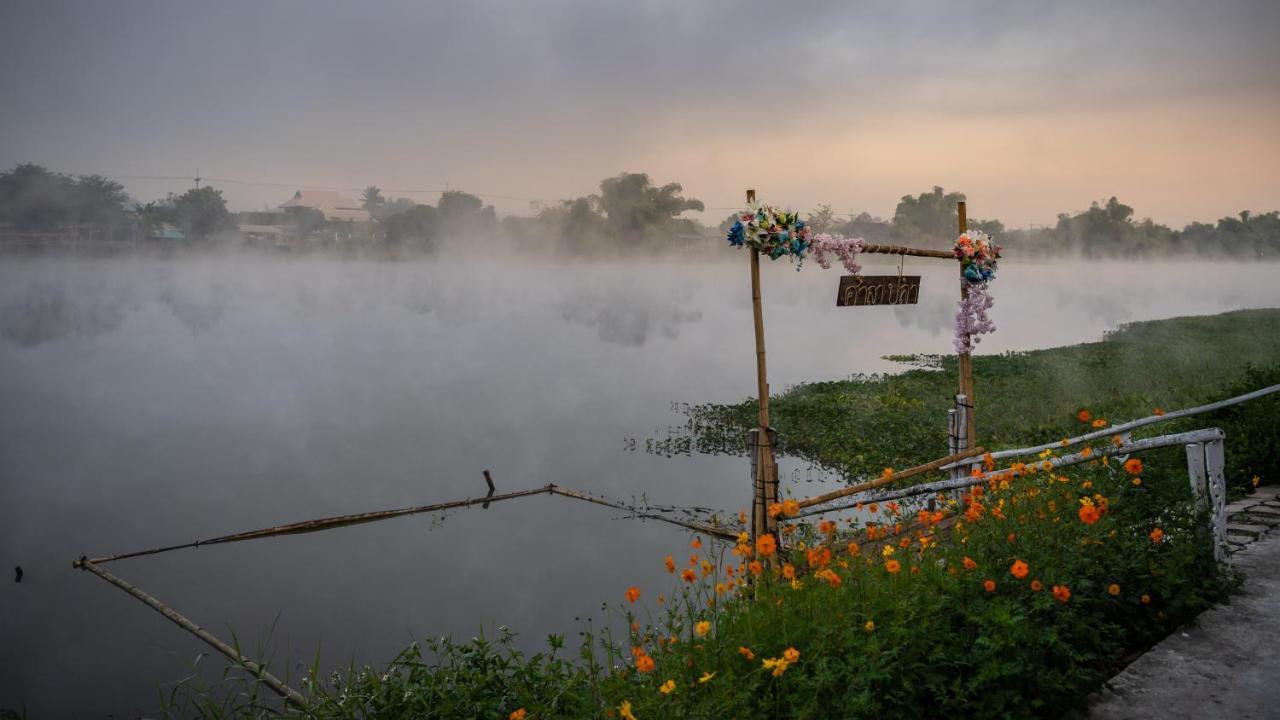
(150, 401)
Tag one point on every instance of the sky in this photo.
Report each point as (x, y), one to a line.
(1030, 108)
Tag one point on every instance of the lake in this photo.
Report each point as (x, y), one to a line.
(148, 401)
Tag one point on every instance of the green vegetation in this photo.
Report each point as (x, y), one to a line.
(1016, 599)
(1028, 398)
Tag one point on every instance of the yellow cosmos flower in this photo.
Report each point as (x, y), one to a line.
(667, 687)
(706, 677)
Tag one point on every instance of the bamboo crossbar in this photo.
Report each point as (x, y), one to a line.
(290, 695)
(1130, 426)
(902, 250)
(888, 479)
(338, 521)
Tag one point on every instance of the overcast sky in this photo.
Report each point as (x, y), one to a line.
(1030, 108)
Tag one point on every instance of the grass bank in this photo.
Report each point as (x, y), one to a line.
(1024, 398)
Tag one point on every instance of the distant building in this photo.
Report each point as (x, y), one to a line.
(335, 207)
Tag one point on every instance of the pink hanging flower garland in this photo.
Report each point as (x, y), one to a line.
(977, 254)
(824, 245)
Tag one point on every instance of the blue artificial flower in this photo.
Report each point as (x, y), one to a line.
(972, 273)
(784, 236)
(777, 251)
(736, 234)
(800, 225)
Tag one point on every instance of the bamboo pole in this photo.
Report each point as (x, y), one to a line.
(765, 491)
(290, 695)
(902, 250)
(338, 521)
(966, 360)
(888, 479)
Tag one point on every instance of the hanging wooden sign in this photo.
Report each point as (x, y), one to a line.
(878, 290)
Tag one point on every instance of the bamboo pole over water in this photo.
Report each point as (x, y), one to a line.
(293, 697)
(338, 521)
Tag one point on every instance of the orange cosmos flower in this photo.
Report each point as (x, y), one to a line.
(1019, 569)
(688, 575)
(1133, 466)
(893, 566)
(854, 549)
(671, 564)
(791, 655)
(696, 542)
(790, 508)
(989, 461)
(766, 545)
(969, 564)
(1113, 590)
(1156, 535)
(887, 472)
(746, 653)
(1037, 586)
(775, 509)
(1157, 411)
(1146, 599)
(1084, 415)
(1099, 423)
(633, 594)
(789, 571)
(756, 568)
(989, 585)
(1061, 593)
(827, 527)
(517, 714)
(644, 663)
(1089, 514)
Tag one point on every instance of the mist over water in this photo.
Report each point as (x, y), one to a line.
(148, 401)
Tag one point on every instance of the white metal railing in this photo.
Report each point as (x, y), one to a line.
(1205, 469)
(1123, 430)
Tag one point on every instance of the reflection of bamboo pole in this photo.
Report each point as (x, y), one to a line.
(888, 479)
(966, 360)
(271, 681)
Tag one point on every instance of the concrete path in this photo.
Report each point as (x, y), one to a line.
(1227, 663)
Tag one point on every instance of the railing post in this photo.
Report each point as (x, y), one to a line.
(1215, 469)
(1196, 474)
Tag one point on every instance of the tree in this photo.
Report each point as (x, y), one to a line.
(200, 212)
(929, 219)
(416, 226)
(822, 220)
(34, 199)
(99, 201)
(636, 210)
(459, 212)
(372, 200)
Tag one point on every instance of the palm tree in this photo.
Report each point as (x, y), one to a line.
(372, 200)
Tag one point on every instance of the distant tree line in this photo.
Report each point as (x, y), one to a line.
(630, 213)
(1104, 230)
(35, 200)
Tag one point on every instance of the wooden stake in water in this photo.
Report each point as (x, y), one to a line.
(766, 475)
(966, 361)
